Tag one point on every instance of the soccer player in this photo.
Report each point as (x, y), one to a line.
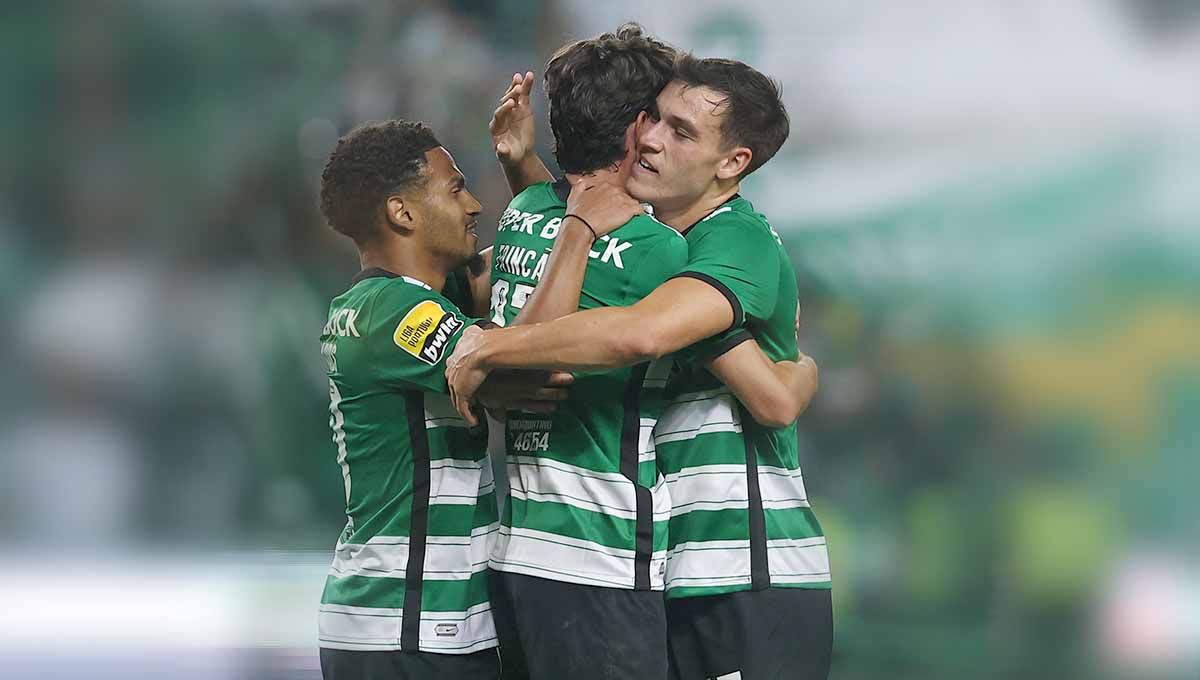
(579, 555)
(747, 572)
(406, 595)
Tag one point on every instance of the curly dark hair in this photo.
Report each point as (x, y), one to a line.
(596, 89)
(369, 163)
(755, 117)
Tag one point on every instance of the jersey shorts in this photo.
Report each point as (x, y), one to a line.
(410, 569)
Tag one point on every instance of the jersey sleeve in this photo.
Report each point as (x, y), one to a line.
(711, 348)
(458, 289)
(738, 258)
(411, 333)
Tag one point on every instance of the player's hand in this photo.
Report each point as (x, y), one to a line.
(536, 391)
(464, 375)
(512, 122)
(604, 205)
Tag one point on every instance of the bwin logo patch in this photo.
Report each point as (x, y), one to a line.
(425, 331)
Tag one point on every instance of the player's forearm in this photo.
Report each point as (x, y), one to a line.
(588, 340)
(557, 293)
(529, 170)
(801, 379)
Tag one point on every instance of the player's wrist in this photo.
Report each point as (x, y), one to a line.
(579, 226)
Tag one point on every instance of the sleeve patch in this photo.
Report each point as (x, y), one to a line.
(425, 331)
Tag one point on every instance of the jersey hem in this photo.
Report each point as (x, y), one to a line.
(566, 577)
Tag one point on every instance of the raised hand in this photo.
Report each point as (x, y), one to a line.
(512, 122)
(603, 205)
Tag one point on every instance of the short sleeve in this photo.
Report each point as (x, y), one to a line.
(740, 259)
(458, 289)
(412, 331)
(711, 348)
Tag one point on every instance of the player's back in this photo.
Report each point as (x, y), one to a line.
(420, 504)
(586, 503)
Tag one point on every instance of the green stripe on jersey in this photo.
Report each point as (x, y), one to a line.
(702, 448)
(583, 478)
(420, 499)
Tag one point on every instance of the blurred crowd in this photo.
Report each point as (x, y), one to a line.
(1006, 314)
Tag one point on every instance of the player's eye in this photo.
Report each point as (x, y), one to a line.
(681, 133)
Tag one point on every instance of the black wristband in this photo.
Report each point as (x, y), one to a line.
(585, 223)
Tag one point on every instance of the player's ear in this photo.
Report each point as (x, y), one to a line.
(735, 161)
(398, 214)
(625, 164)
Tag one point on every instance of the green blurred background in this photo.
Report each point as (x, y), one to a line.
(994, 213)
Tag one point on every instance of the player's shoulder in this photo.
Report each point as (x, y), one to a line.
(738, 221)
(392, 295)
(645, 227)
(415, 317)
(539, 195)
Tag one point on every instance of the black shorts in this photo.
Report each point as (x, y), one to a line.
(342, 664)
(774, 634)
(550, 630)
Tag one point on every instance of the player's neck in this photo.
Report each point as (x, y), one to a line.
(682, 217)
(405, 262)
(603, 175)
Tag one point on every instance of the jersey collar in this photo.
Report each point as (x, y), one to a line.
(712, 212)
(372, 272)
(562, 188)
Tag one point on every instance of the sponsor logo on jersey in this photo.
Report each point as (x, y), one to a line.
(425, 331)
(446, 629)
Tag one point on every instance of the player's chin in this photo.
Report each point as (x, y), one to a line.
(641, 189)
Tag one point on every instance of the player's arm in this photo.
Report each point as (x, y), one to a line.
(593, 210)
(678, 313)
(775, 393)
(513, 136)
(726, 279)
(409, 336)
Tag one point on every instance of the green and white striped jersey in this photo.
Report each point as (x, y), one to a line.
(586, 503)
(409, 572)
(740, 517)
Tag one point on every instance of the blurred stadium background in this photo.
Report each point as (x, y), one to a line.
(993, 208)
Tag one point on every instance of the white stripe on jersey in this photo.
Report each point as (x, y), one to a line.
(695, 413)
(552, 556)
(447, 558)
(545, 480)
(378, 628)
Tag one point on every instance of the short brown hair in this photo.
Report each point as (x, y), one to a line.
(597, 87)
(755, 117)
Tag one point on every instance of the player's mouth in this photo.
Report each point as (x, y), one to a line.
(646, 166)
(473, 229)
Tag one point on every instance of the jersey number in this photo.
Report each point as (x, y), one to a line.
(501, 298)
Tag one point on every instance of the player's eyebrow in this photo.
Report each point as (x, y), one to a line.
(458, 182)
(675, 121)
